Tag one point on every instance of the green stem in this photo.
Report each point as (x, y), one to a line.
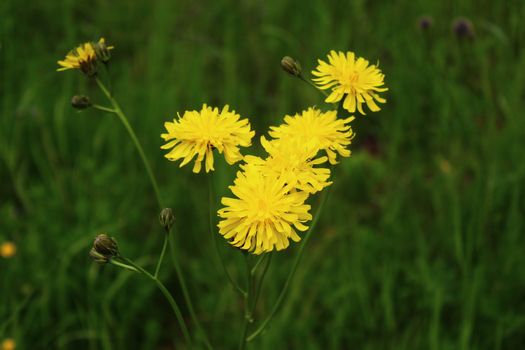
(256, 266)
(211, 200)
(102, 108)
(187, 297)
(280, 299)
(309, 82)
(124, 266)
(247, 308)
(168, 296)
(131, 132)
(161, 257)
(258, 288)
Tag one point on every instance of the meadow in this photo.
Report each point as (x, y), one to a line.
(421, 243)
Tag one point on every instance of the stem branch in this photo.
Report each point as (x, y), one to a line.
(167, 295)
(118, 111)
(280, 299)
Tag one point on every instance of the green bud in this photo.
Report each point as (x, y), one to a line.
(80, 102)
(291, 66)
(166, 219)
(104, 249)
(102, 50)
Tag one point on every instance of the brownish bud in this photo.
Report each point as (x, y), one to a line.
(291, 66)
(166, 219)
(80, 102)
(104, 249)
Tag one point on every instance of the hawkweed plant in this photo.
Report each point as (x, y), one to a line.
(267, 209)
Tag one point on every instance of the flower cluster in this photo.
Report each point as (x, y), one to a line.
(271, 192)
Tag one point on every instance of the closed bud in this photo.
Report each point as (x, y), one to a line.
(166, 219)
(425, 23)
(104, 249)
(102, 50)
(80, 102)
(291, 66)
(463, 28)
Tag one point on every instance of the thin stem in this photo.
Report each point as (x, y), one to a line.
(131, 132)
(168, 296)
(110, 87)
(124, 266)
(261, 259)
(258, 288)
(161, 257)
(102, 108)
(187, 297)
(211, 199)
(280, 299)
(309, 82)
(247, 308)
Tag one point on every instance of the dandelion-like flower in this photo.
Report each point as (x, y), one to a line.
(7, 250)
(353, 79)
(198, 133)
(292, 161)
(319, 130)
(265, 215)
(84, 57)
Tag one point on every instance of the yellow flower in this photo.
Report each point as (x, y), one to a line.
(84, 57)
(292, 161)
(8, 344)
(265, 213)
(320, 130)
(355, 78)
(198, 133)
(7, 250)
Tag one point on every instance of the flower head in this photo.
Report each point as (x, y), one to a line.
(7, 250)
(265, 214)
(292, 161)
(198, 133)
(353, 79)
(8, 344)
(85, 56)
(319, 130)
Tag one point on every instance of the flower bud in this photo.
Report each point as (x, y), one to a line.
(463, 28)
(425, 23)
(166, 219)
(291, 66)
(102, 50)
(104, 249)
(80, 102)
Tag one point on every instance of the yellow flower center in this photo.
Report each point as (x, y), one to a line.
(354, 77)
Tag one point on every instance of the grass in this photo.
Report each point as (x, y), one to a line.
(421, 245)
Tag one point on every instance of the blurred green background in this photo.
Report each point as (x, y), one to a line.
(421, 245)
